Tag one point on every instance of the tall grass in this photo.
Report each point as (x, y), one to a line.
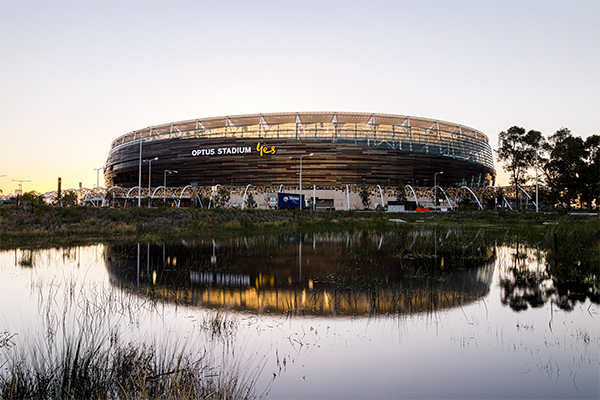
(89, 344)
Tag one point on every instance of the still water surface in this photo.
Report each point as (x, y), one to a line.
(415, 314)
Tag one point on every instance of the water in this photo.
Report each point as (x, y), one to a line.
(411, 314)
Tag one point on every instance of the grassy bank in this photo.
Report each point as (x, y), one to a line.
(52, 226)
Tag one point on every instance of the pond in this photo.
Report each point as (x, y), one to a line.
(410, 313)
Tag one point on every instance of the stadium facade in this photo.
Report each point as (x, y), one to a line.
(335, 149)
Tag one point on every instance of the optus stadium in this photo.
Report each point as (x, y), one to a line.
(328, 150)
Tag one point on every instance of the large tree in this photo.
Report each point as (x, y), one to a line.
(571, 169)
(517, 151)
(591, 174)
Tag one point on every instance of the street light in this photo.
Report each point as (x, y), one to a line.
(536, 181)
(140, 175)
(435, 188)
(98, 175)
(21, 183)
(300, 188)
(170, 171)
(149, 161)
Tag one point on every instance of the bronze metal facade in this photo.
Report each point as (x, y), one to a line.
(347, 148)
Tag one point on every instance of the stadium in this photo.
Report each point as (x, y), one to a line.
(327, 151)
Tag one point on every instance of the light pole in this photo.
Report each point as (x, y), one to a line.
(435, 188)
(170, 171)
(140, 175)
(98, 175)
(536, 181)
(300, 184)
(149, 161)
(21, 183)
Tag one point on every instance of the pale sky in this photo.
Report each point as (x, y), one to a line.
(75, 75)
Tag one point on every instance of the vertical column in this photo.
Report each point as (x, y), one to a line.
(335, 127)
(439, 137)
(410, 146)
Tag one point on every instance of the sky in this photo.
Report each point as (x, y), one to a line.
(75, 75)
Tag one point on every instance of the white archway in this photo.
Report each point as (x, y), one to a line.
(474, 196)
(414, 194)
(445, 195)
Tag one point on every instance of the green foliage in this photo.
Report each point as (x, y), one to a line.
(32, 197)
(250, 202)
(517, 150)
(222, 198)
(401, 194)
(572, 170)
(365, 197)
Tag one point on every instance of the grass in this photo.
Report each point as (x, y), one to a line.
(47, 226)
(79, 351)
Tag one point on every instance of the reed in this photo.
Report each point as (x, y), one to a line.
(79, 351)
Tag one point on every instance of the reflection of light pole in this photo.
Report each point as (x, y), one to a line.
(300, 184)
(435, 188)
(149, 161)
(170, 171)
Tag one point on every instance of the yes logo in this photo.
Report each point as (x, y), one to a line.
(264, 150)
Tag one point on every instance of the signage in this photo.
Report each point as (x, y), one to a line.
(221, 151)
(263, 149)
(288, 200)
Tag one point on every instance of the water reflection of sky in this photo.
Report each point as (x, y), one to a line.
(480, 348)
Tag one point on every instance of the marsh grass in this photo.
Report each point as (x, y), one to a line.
(90, 344)
(56, 226)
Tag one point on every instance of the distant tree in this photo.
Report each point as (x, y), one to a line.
(222, 197)
(365, 197)
(517, 151)
(401, 194)
(250, 202)
(69, 198)
(32, 197)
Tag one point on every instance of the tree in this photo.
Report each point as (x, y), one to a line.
(250, 202)
(591, 173)
(365, 197)
(565, 169)
(69, 198)
(222, 197)
(517, 150)
(401, 194)
(32, 197)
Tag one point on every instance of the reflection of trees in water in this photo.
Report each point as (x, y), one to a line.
(533, 276)
(362, 273)
(521, 284)
(29, 257)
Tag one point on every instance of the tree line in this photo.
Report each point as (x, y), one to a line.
(568, 165)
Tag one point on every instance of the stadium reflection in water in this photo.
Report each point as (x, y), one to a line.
(328, 275)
